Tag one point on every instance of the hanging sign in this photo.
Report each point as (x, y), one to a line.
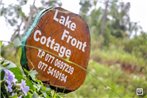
(57, 46)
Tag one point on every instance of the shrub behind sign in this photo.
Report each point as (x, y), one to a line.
(57, 46)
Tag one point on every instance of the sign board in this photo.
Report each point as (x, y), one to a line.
(57, 46)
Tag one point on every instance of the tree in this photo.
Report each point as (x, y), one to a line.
(17, 18)
(109, 18)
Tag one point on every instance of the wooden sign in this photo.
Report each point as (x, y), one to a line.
(57, 46)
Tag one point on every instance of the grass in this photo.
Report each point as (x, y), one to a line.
(105, 77)
(126, 60)
(109, 82)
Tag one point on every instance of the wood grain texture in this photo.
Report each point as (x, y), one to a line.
(78, 59)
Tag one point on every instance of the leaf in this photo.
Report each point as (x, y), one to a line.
(19, 52)
(29, 95)
(2, 73)
(17, 42)
(18, 74)
(15, 96)
(33, 74)
(35, 95)
(8, 64)
(4, 90)
(1, 44)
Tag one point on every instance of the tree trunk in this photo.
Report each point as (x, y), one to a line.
(104, 19)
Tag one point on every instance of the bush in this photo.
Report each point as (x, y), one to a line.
(113, 56)
(109, 82)
(15, 84)
(138, 46)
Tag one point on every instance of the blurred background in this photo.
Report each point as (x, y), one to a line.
(118, 59)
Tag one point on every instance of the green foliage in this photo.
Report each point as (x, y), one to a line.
(109, 82)
(138, 46)
(117, 56)
(118, 63)
(11, 53)
(36, 87)
(117, 23)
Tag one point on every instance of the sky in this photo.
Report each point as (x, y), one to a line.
(137, 10)
(137, 14)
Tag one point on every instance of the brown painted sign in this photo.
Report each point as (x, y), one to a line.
(58, 48)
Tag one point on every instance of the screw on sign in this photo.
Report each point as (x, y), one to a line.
(57, 46)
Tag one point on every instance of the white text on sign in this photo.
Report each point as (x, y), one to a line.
(65, 21)
(58, 69)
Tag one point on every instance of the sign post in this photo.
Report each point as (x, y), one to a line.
(57, 46)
